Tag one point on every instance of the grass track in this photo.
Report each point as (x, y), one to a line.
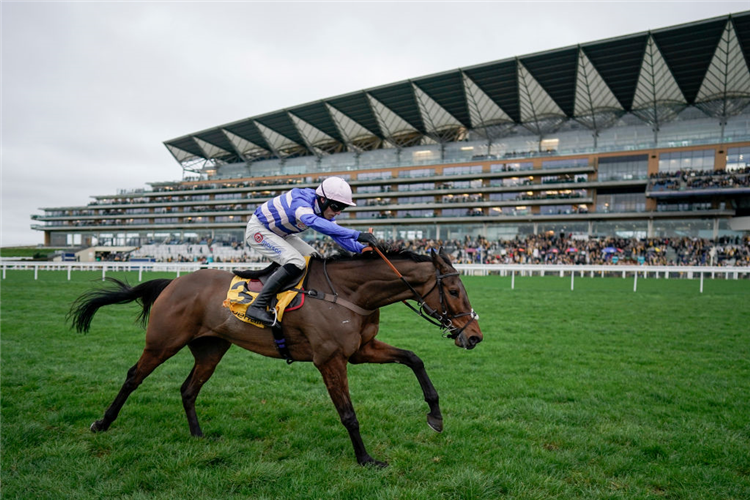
(593, 393)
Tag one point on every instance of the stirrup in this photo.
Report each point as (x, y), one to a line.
(262, 321)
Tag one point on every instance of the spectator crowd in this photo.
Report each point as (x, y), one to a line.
(533, 249)
(698, 179)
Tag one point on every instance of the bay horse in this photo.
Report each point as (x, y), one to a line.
(188, 311)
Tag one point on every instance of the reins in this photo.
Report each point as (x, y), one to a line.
(333, 297)
(443, 321)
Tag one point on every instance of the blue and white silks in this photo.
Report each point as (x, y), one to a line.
(296, 210)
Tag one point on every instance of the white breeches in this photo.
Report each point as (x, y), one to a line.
(290, 249)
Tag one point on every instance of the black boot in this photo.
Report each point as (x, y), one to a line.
(282, 277)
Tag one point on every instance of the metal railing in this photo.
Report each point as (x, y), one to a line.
(512, 270)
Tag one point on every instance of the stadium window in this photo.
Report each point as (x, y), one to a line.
(738, 158)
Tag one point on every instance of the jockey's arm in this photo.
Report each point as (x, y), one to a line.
(347, 238)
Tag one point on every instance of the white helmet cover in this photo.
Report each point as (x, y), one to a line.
(336, 189)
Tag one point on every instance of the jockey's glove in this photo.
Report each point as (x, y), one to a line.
(367, 239)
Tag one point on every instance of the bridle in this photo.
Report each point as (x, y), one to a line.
(444, 318)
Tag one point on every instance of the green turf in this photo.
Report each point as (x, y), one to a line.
(598, 392)
(35, 252)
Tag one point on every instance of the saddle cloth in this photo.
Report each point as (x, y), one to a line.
(242, 292)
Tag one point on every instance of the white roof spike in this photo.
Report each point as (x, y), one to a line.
(242, 145)
(309, 132)
(180, 154)
(655, 82)
(389, 122)
(728, 74)
(273, 138)
(434, 115)
(211, 150)
(535, 102)
(592, 92)
(483, 111)
(348, 128)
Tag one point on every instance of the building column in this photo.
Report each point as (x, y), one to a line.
(437, 231)
(716, 229)
(591, 228)
(650, 231)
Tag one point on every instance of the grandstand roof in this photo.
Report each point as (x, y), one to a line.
(653, 75)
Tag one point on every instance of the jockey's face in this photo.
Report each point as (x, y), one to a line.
(330, 213)
(334, 208)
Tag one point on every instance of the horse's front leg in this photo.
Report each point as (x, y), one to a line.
(335, 378)
(376, 351)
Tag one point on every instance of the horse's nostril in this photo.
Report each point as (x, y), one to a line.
(474, 340)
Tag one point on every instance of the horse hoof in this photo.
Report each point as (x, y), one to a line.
(436, 424)
(374, 463)
(97, 427)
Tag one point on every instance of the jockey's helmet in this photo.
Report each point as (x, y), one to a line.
(336, 190)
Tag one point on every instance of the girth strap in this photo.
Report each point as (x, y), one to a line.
(335, 299)
(280, 342)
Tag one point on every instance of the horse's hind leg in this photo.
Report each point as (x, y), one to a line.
(376, 351)
(150, 359)
(207, 352)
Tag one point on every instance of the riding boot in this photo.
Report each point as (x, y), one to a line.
(282, 277)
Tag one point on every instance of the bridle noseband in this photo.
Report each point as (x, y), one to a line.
(443, 319)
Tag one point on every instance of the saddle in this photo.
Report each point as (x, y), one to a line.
(247, 284)
(256, 274)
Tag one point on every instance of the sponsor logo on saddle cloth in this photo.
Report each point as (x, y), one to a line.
(239, 298)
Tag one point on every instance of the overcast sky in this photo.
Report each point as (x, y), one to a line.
(91, 90)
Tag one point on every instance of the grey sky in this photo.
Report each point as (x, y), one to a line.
(91, 90)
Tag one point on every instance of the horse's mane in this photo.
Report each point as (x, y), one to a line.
(392, 252)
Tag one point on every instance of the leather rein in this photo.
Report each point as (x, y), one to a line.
(443, 320)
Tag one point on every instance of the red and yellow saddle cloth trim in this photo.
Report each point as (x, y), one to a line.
(239, 298)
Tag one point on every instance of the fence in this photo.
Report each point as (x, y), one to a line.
(512, 270)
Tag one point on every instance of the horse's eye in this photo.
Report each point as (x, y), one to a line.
(454, 293)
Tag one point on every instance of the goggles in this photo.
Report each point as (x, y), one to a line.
(336, 206)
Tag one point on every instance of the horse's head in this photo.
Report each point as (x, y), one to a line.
(451, 304)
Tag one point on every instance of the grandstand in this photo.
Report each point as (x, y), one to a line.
(181, 252)
(641, 136)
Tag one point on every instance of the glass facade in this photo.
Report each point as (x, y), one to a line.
(620, 229)
(627, 202)
(473, 169)
(620, 168)
(556, 209)
(567, 163)
(424, 186)
(511, 167)
(569, 228)
(738, 158)
(684, 228)
(680, 161)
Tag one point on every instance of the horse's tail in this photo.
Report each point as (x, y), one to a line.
(83, 309)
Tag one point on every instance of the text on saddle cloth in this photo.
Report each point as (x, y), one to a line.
(241, 294)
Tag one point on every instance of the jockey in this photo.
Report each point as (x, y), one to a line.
(272, 232)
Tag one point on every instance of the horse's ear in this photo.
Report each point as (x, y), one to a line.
(445, 256)
(439, 258)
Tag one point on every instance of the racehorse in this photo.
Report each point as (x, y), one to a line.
(188, 311)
